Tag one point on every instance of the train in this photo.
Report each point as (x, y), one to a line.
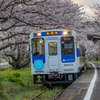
(57, 56)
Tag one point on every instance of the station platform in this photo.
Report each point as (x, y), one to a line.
(85, 87)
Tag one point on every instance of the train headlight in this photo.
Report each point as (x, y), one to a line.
(65, 33)
(38, 34)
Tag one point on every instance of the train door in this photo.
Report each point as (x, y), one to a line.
(53, 55)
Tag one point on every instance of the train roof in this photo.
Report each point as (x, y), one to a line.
(52, 30)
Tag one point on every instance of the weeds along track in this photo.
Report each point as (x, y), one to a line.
(38, 87)
(58, 94)
(37, 96)
(49, 92)
(63, 89)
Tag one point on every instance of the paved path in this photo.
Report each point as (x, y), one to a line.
(79, 89)
(96, 91)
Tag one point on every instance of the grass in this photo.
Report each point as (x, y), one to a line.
(89, 70)
(79, 92)
(2, 60)
(95, 61)
(84, 69)
(50, 94)
(71, 97)
(16, 91)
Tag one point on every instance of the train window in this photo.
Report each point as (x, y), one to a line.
(38, 46)
(67, 44)
(52, 48)
(81, 50)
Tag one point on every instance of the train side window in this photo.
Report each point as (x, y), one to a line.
(81, 50)
(52, 48)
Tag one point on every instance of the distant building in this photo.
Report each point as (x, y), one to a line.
(94, 38)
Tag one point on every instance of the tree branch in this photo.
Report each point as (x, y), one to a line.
(6, 46)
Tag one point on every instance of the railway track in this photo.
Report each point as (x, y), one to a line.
(38, 87)
(58, 95)
(47, 89)
(37, 96)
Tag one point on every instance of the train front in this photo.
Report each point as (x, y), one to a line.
(53, 56)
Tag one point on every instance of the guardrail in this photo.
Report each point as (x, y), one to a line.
(4, 65)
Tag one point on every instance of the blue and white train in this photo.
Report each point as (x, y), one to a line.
(57, 56)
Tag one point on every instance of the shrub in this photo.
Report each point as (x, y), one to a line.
(16, 78)
(8, 69)
(98, 58)
(2, 69)
(16, 74)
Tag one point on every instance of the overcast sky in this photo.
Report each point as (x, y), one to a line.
(87, 3)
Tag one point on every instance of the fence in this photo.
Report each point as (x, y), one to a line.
(4, 65)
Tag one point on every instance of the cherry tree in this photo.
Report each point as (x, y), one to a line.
(16, 24)
(93, 27)
(38, 14)
(18, 18)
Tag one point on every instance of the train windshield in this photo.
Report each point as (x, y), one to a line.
(67, 44)
(38, 46)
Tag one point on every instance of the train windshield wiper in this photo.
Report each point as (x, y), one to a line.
(66, 54)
